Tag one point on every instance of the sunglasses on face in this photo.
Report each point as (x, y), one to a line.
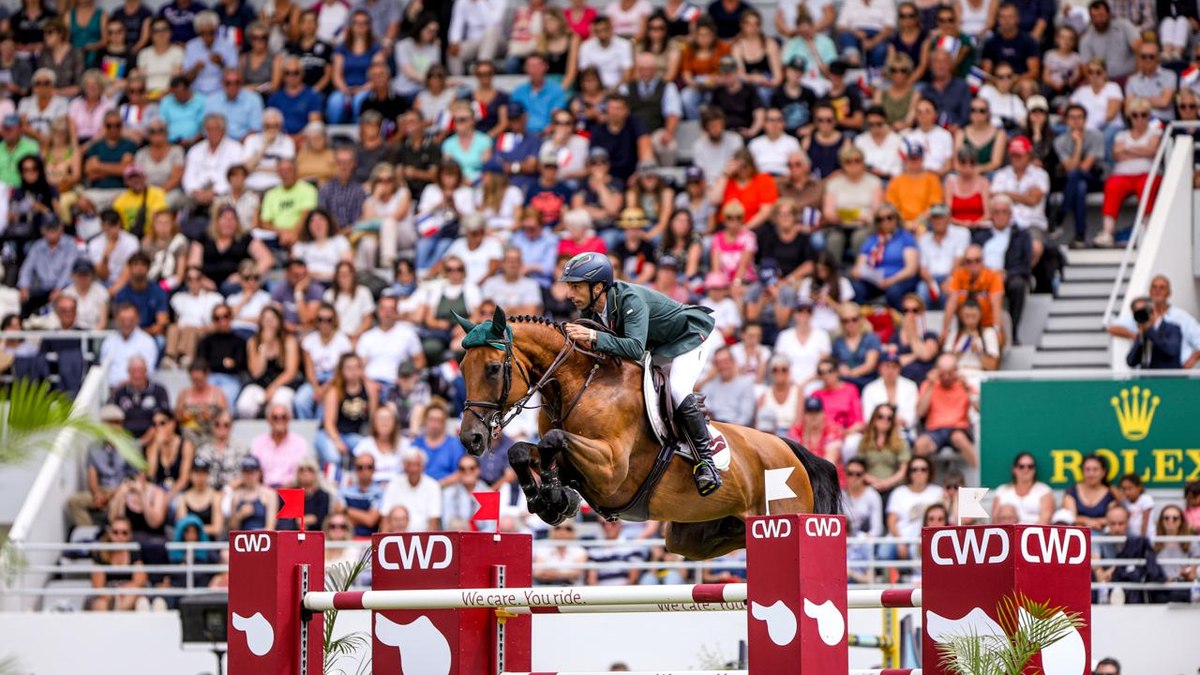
(912, 310)
(222, 425)
(855, 474)
(365, 467)
(454, 269)
(919, 469)
(907, 15)
(121, 533)
(825, 371)
(324, 319)
(885, 418)
(1171, 519)
(972, 261)
(463, 120)
(1138, 115)
(278, 418)
(1025, 465)
(824, 120)
(339, 526)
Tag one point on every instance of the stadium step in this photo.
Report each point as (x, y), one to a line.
(1077, 340)
(1085, 289)
(1095, 256)
(1079, 358)
(1069, 324)
(1079, 306)
(1105, 273)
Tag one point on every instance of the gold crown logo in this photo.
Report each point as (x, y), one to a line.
(1135, 412)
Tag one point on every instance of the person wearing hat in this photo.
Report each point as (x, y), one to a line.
(91, 298)
(635, 252)
(940, 246)
(106, 470)
(1028, 185)
(14, 146)
(645, 320)
(666, 279)
(47, 267)
(538, 98)
(891, 388)
(139, 201)
(199, 499)
(253, 505)
(1081, 155)
(794, 97)
(917, 188)
(814, 430)
(742, 105)
(656, 104)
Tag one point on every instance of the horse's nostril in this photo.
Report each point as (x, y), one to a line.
(476, 439)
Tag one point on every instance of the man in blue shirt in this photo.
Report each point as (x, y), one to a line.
(363, 497)
(298, 103)
(241, 108)
(183, 111)
(205, 57)
(516, 150)
(539, 250)
(539, 96)
(548, 196)
(149, 298)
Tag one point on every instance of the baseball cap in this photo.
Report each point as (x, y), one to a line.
(515, 109)
(694, 174)
(668, 261)
(250, 463)
(647, 166)
(1037, 102)
(838, 67)
(134, 170)
(111, 413)
(912, 149)
(598, 154)
(548, 156)
(83, 266)
(716, 280)
(493, 165)
(406, 369)
(797, 62)
(812, 404)
(51, 223)
(201, 464)
(727, 64)
(889, 356)
(1021, 145)
(939, 210)
(11, 120)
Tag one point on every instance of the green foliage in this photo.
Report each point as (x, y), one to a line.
(340, 577)
(1029, 628)
(32, 415)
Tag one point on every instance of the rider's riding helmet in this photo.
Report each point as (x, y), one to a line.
(590, 268)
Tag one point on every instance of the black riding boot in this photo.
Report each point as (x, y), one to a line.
(689, 418)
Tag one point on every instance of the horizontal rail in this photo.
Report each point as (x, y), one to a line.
(889, 671)
(630, 609)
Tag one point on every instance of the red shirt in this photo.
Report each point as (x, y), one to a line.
(761, 191)
(570, 249)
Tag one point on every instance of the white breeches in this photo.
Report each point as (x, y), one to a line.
(687, 368)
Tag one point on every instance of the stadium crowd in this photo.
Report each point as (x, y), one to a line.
(286, 204)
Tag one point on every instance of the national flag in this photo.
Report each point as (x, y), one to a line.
(970, 503)
(508, 142)
(489, 507)
(975, 78)
(1190, 75)
(776, 485)
(291, 503)
(430, 224)
(865, 87)
(690, 13)
(949, 44)
(810, 216)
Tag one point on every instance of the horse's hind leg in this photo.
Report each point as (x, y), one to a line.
(702, 541)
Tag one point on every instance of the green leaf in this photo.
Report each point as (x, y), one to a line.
(1029, 626)
(340, 577)
(32, 415)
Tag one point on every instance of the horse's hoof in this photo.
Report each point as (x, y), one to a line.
(561, 504)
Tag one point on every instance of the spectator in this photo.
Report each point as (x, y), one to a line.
(111, 250)
(382, 99)
(656, 104)
(206, 169)
(258, 65)
(945, 401)
(826, 290)
(262, 152)
(1133, 152)
(864, 507)
(898, 99)
(106, 469)
(511, 289)
(804, 57)
(946, 91)
(286, 205)
(458, 502)
(623, 137)
(1133, 547)
(851, 201)
(138, 201)
(273, 367)
(907, 503)
(353, 302)
(201, 501)
(279, 450)
(726, 313)
(319, 500)
(941, 249)
(242, 108)
(162, 161)
(1153, 82)
(1158, 343)
(610, 54)
(1010, 252)
(569, 555)
(977, 347)
(984, 140)
(385, 440)
(1015, 47)
(161, 60)
(561, 46)
(699, 60)
(145, 504)
(1081, 155)
(193, 311)
(615, 551)
(824, 146)
(803, 344)
(778, 405)
(917, 189)
(104, 165)
(1114, 41)
(182, 17)
(893, 389)
(252, 505)
(323, 249)
(168, 456)
(1101, 98)
(139, 399)
(730, 396)
(1137, 502)
(396, 520)
(784, 245)
(1175, 25)
(198, 405)
(841, 400)
(547, 197)
(362, 497)
(46, 270)
(299, 102)
(321, 351)
(417, 492)
(743, 183)
(1161, 309)
(205, 57)
(1005, 107)
(351, 60)
(1062, 66)
(222, 254)
(881, 146)
(348, 404)
(1032, 499)
(864, 27)
(127, 342)
(415, 54)
(118, 531)
(39, 110)
(1171, 523)
(857, 349)
(936, 142)
(476, 28)
(387, 345)
(58, 55)
(571, 148)
(223, 455)
(86, 111)
(1191, 496)
(889, 261)
(884, 450)
(973, 280)
(90, 296)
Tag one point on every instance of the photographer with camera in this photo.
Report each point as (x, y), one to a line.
(1130, 326)
(1158, 342)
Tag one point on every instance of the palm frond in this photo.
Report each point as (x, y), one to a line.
(340, 577)
(9, 665)
(1029, 628)
(32, 415)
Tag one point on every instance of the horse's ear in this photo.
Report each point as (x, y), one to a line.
(499, 324)
(465, 324)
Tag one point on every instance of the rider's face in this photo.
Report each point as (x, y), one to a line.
(578, 294)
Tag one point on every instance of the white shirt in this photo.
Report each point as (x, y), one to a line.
(626, 22)
(1029, 507)
(938, 144)
(265, 175)
(1135, 166)
(1096, 104)
(470, 19)
(1006, 180)
(910, 506)
(247, 317)
(39, 118)
(322, 258)
(939, 257)
(206, 166)
(1003, 106)
(384, 351)
(868, 14)
(127, 245)
(804, 357)
(117, 350)
(88, 306)
(478, 261)
(612, 61)
(424, 501)
(771, 155)
(724, 312)
(883, 157)
(331, 21)
(875, 395)
(351, 309)
(195, 311)
(324, 356)
(520, 293)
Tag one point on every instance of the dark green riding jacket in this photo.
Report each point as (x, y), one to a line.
(646, 320)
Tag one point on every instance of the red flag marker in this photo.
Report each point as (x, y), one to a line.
(489, 507)
(291, 505)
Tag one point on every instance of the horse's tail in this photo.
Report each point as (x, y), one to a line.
(822, 475)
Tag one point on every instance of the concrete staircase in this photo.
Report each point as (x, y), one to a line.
(1074, 335)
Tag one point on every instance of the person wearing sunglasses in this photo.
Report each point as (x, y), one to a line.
(1172, 523)
(1134, 150)
(361, 496)
(906, 507)
(299, 103)
(889, 261)
(119, 531)
(899, 98)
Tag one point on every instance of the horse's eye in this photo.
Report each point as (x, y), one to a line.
(493, 369)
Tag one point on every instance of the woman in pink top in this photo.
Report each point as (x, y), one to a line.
(580, 17)
(843, 406)
(815, 430)
(733, 248)
(86, 111)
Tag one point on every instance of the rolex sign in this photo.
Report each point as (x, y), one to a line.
(1149, 427)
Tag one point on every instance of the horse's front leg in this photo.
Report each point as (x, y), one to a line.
(523, 457)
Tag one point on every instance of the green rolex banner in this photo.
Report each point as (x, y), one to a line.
(1150, 427)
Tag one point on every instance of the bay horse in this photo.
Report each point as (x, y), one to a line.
(596, 436)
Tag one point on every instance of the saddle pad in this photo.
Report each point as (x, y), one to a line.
(720, 448)
(721, 453)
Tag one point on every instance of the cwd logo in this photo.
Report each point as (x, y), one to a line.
(823, 527)
(771, 529)
(969, 547)
(252, 542)
(416, 549)
(1053, 546)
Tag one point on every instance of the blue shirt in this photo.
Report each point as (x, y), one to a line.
(470, 159)
(869, 343)
(149, 301)
(443, 458)
(542, 252)
(517, 147)
(182, 20)
(183, 119)
(243, 115)
(540, 104)
(208, 80)
(893, 251)
(354, 66)
(296, 109)
(363, 499)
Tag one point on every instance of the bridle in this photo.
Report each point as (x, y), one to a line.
(497, 418)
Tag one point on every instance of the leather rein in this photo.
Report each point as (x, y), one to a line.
(498, 418)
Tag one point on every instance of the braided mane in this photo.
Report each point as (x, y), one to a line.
(540, 320)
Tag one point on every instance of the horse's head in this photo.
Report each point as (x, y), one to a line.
(488, 371)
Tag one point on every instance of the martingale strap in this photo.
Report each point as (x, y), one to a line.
(638, 508)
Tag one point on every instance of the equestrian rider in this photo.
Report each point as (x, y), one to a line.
(645, 320)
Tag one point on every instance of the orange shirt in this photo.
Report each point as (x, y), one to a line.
(690, 62)
(981, 288)
(760, 192)
(913, 195)
(949, 407)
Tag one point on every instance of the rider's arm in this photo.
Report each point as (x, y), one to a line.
(633, 343)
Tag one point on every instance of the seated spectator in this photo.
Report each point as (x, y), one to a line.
(390, 343)
(549, 195)
(1090, 499)
(730, 395)
(193, 308)
(416, 491)
(936, 142)
(162, 162)
(118, 531)
(190, 530)
(898, 98)
(511, 289)
(111, 250)
(1080, 154)
(609, 53)
(201, 501)
(321, 351)
(863, 28)
(206, 168)
(743, 182)
(884, 450)
(348, 404)
(841, 400)
(47, 267)
(1133, 151)
(1191, 496)
(91, 299)
(1010, 251)
(183, 111)
(442, 450)
(1032, 499)
(320, 502)
(262, 152)
(458, 502)
(253, 505)
(60, 56)
(1013, 47)
(571, 148)
(104, 165)
(279, 450)
(726, 311)
(351, 59)
(941, 249)
(414, 55)
(1113, 40)
(168, 455)
(907, 503)
(106, 470)
(944, 404)
(436, 217)
(385, 439)
(803, 344)
(436, 299)
(750, 354)
(167, 248)
(824, 146)
(857, 349)
(222, 348)
(815, 430)
(285, 205)
(321, 247)
(946, 91)
(200, 404)
(1137, 502)
(1133, 547)
(205, 57)
(802, 190)
(1161, 309)
(342, 195)
(139, 399)
(1171, 523)
(128, 341)
(564, 552)
(1101, 98)
(881, 146)
(273, 366)
(30, 203)
(353, 302)
(916, 189)
(698, 65)
(613, 553)
(38, 111)
(894, 389)
(242, 108)
(888, 263)
(386, 226)
(977, 347)
(150, 299)
(982, 140)
(86, 111)
(973, 280)
(145, 503)
(295, 99)
(716, 146)
(408, 397)
(1005, 108)
(362, 497)
(222, 454)
(865, 508)
(258, 65)
(622, 136)
(852, 198)
(778, 407)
